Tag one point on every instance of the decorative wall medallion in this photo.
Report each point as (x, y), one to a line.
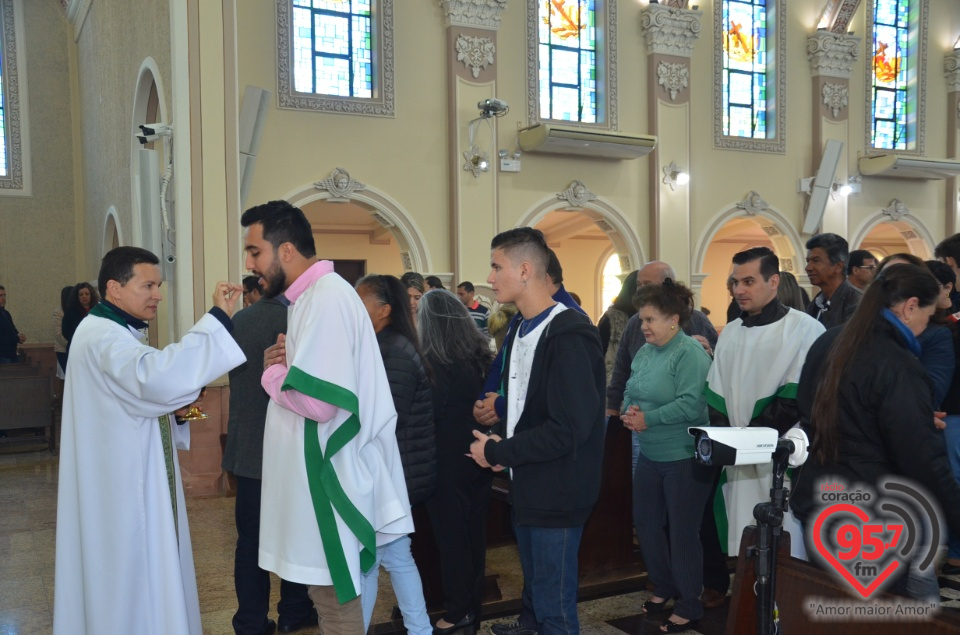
(951, 70)
(896, 209)
(835, 97)
(670, 31)
(786, 264)
(478, 14)
(476, 53)
(577, 195)
(475, 161)
(753, 204)
(831, 54)
(673, 78)
(340, 185)
(772, 230)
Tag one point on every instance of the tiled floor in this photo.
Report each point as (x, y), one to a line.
(28, 493)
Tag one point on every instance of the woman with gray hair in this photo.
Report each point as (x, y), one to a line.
(460, 356)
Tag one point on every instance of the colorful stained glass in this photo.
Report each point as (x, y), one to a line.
(744, 77)
(890, 105)
(333, 47)
(568, 60)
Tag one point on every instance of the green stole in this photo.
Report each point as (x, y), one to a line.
(325, 488)
(101, 310)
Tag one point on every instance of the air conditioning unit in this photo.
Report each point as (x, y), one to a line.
(905, 167)
(544, 137)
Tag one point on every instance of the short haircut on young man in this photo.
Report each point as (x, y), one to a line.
(835, 247)
(466, 286)
(524, 243)
(857, 258)
(949, 247)
(769, 263)
(282, 223)
(118, 264)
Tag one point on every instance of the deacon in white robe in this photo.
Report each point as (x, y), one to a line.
(333, 486)
(124, 562)
(753, 381)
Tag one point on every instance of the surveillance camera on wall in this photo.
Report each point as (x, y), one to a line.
(493, 107)
(153, 131)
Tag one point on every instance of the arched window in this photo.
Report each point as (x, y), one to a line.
(750, 65)
(574, 45)
(336, 55)
(896, 29)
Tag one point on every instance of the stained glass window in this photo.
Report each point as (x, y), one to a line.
(744, 78)
(333, 47)
(890, 90)
(568, 64)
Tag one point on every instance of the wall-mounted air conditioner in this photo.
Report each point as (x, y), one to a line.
(584, 142)
(905, 167)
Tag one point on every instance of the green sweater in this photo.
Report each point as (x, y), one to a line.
(666, 383)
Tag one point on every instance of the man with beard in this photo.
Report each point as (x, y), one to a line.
(332, 483)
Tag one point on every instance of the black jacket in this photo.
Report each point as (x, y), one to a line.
(886, 423)
(412, 399)
(9, 336)
(556, 452)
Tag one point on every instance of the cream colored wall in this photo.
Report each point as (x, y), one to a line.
(382, 259)
(37, 250)
(117, 35)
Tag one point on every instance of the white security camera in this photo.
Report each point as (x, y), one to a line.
(153, 131)
(492, 107)
(746, 446)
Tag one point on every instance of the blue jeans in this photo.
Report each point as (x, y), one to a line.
(405, 578)
(548, 557)
(635, 450)
(951, 437)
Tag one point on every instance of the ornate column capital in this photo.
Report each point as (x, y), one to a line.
(476, 14)
(670, 31)
(832, 54)
(951, 70)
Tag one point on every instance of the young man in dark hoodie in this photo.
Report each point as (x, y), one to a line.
(552, 437)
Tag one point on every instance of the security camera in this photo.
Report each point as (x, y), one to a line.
(153, 131)
(747, 446)
(493, 107)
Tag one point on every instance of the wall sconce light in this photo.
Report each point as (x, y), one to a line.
(852, 186)
(674, 176)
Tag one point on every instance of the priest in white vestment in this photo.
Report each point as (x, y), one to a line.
(333, 486)
(124, 563)
(753, 380)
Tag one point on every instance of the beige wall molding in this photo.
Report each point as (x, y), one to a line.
(670, 31)
(479, 14)
(77, 11)
(896, 210)
(913, 231)
(17, 181)
(831, 54)
(951, 70)
(340, 185)
(835, 97)
(386, 211)
(673, 77)
(753, 204)
(778, 227)
(606, 216)
(576, 195)
(476, 53)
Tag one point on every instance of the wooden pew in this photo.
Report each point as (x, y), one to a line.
(27, 400)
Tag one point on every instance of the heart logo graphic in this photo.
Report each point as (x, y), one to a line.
(828, 556)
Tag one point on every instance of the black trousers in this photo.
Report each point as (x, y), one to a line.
(716, 575)
(458, 513)
(253, 583)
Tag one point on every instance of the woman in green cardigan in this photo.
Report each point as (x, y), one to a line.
(664, 396)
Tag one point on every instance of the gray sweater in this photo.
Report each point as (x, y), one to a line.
(633, 339)
(255, 329)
